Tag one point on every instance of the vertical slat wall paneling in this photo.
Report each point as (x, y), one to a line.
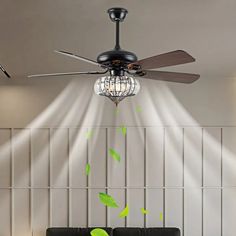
(116, 176)
(5, 182)
(59, 162)
(22, 206)
(97, 178)
(212, 180)
(135, 161)
(229, 180)
(174, 177)
(78, 178)
(43, 181)
(229, 157)
(192, 181)
(229, 211)
(40, 177)
(12, 184)
(154, 175)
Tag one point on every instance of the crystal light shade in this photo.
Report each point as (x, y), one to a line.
(116, 87)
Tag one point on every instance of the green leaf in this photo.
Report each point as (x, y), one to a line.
(125, 212)
(87, 169)
(122, 129)
(98, 232)
(161, 216)
(144, 211)
(107, 200)
(138, 109)
(114, 154)
(89, 134)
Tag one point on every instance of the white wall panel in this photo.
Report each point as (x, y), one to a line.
(229, 212)
(154, 156)
(5, 212)
(97, 211)
(212, 212)
(174, 156)
(21, 213)
(78, 157)
(212, 156)
(192, 157)
(5, 157)
(193, 212)
(59, 208)
(59, 157)
(174, 208)
(116, 170)
(135, 157)
(21, 156)
(40, 157)
(113, 213)
(229, 156)
(97, 158)
(40, 211)
(78, 207)
(135, 175)
(136, 202)
(155, 207)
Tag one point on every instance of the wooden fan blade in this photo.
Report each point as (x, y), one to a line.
(4, 71)
(68, 73)
(163, 60)
(171, 76)
(69, 54)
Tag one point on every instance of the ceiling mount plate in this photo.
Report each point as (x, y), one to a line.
(117, 14)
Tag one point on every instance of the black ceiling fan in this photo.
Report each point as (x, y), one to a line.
(4, 71)
(123, 66)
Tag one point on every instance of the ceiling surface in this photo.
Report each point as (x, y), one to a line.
(31, 30)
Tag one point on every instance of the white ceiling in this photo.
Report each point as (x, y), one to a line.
(31, 30)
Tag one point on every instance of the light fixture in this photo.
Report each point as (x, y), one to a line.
(123, 66)
(117, 87)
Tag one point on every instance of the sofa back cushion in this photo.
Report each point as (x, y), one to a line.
(73, 231)
(146, 231)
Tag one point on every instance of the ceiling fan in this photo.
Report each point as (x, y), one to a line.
(120, 68)
(4, 71)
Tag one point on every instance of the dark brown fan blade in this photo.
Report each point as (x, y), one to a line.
(69, 54)
(163, 60)
(171, 76)
(4, 71)
(68, 73)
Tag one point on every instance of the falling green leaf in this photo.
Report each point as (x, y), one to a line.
(144, 211)
(138, 109)
(107, 200)
(122, 129)
(89, 134)
(117, 111)
(98, 232)
(161, 216)
(125, 212)
(87, 169)
(114, 154)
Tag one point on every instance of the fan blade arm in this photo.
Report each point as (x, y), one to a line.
(173, 58)
(68, 73)
(176, 77)
(72, 55)
(4, 71)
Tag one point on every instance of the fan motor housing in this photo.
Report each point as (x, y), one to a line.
(111, 56)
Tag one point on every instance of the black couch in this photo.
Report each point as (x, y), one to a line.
(124, 231)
